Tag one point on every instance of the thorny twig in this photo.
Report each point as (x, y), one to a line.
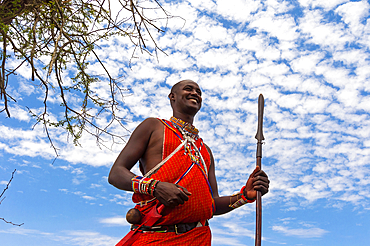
(7, 187)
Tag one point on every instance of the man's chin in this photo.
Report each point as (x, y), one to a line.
(194, 104)
(195, 108)
(191, 110)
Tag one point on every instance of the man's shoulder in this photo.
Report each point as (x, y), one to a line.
(147, 127)
(150, 122)
(151, 119)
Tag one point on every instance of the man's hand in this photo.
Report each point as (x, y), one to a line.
(171, 195)
(258, 181)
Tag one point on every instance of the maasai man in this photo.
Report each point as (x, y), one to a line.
(184, 181)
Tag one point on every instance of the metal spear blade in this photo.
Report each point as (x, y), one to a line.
(259, 135)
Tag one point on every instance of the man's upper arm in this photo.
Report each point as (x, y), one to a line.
(212, 174)
(137, 144)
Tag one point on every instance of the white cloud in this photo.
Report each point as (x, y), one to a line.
(218, 240)
(353, 13)
(239, 10)
(209, 31)
(300, 232)
(281, 27)
(115, 221)
(80, 238)
(84, 238)
(88, 197)
(323, 4)
(221, 59)
(306, 63)
(329, 36)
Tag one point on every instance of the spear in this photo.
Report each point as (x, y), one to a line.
(259, 137)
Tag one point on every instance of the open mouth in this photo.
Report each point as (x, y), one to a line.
(193, 100)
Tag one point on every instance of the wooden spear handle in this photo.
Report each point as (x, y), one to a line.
(259, 137)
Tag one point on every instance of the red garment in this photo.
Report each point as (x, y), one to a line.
(197, 208)
(197, 236)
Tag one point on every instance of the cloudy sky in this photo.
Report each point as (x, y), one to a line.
(309, 58)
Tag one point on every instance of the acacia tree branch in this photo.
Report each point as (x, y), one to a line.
(45, 84)
(33, 47)
(67, 32)
(3, 83)
(53, 57)
(7, 187)
(9, 222)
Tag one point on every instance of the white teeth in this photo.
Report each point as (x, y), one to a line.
(193, 100)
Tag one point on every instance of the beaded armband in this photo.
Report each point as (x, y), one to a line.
(240, 202)
(144, 185)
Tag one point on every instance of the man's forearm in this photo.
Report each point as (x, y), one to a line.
(120, 177)
(223, 204)
(227, 203)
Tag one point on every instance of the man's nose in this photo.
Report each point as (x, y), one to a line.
(194, 92)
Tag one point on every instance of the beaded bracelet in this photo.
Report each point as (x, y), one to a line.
(144, 185)
(135, 183)
(153, 185)
(240, 202)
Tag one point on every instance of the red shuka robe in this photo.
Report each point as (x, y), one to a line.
(197, 208)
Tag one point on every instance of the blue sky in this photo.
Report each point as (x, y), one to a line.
(309, 58)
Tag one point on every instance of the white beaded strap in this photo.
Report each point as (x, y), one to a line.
(201, 159)
(159, 165)
(196, 149)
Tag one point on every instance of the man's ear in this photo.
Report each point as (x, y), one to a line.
(171, 96)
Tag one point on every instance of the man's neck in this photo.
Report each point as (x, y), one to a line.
(184, 117)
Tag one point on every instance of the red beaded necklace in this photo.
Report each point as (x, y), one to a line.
(188, 128)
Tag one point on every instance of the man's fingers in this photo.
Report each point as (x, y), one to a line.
(261, 176)
(261, 182)
(261, 173)
(164, 202)
(171, 195)
(261, 179)
(261, 185)
(255, 171)
(258, 184)
(173, 202)
(183, 189)
(262, 189)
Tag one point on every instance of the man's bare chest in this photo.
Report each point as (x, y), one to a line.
(154, 151)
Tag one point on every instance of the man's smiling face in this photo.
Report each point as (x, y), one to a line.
(186, 96)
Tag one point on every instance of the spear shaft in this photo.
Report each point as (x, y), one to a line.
(259, 137)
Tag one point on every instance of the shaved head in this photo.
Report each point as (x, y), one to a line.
(176, 86)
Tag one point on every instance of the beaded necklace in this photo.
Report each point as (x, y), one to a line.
(190, 133)
(188, 128)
